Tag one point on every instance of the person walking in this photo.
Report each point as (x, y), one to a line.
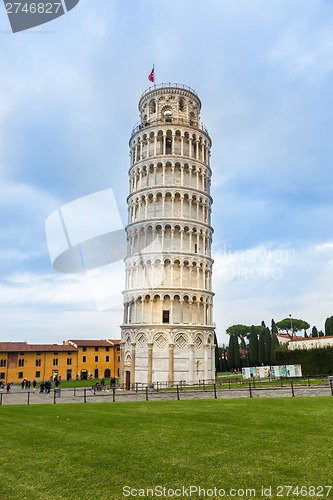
(8, 388)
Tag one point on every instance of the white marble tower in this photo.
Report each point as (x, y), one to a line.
(168, 329)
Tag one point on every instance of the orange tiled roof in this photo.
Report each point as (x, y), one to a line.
(24, 347)
(93, 343)
(286, 336)
(312, 338)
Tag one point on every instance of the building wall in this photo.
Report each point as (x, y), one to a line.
(98, 362)
(311, 343)
(67, 363)
(38, 365)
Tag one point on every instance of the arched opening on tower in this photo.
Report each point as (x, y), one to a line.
(152, 106)
(167, 115)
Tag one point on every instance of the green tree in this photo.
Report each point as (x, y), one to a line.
(261, 348)
(314, 332)
(267, 346)
(275, 341)
(274, 327)
(217, 354)
(321, 333)
(329, 326)
(233, 352)
(253, 346)
(292, 325)
(274, 345)
(242, 332)
(239, 330)
(237, 353)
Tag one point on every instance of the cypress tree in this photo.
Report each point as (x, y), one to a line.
(231, 353)
(314, 332)
(261, 349)
(274, 345)
(253, 347)
(237, 353)
(217, 354)
(274, 328)
(329, 326)
(267, 346)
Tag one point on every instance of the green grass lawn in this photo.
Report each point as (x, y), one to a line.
(92, 451)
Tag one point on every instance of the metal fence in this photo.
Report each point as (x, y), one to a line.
(154, 392)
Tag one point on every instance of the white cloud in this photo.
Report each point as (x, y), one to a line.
(272, 281)
(305, 49)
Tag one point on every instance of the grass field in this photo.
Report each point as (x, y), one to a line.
(83, 452)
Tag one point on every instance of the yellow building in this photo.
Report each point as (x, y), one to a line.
(19, 361)
(70, 360)
(97, 358)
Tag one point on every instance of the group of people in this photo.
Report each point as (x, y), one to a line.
(45, 387)
(2, 386)
(26, 384)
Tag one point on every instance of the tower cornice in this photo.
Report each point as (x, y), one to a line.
(169, 88)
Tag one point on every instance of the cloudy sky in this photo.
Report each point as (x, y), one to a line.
(68, 101)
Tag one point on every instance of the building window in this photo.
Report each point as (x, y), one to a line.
(118, 359)
(107, 358)
(2, 375)
(168, 116)
(38, 362)
(55, 361)
(21, 353)
(96, 359)
(2, 363)
(69, 353)
(20, 374)
(84, 349)
(69, 361)
(37, 375)
(107, 349)
(166, 316)
(96, 348)
(152, 106)
(21, 362)
(38, 353)
(84, 359)
(56, 354)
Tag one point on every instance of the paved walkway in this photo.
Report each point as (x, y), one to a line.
(80, 395)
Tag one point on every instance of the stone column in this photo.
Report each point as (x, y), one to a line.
(206, 346)
(191, 363)
(150, 363)
(121, 371)
(212, 354)
(171, 364)
(133, 344)
(155, 144)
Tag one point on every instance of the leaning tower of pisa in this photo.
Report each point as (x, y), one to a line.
(168, 331)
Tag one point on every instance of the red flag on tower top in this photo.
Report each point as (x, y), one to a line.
(151, 76)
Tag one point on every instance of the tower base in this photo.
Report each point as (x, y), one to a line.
(166, 354)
